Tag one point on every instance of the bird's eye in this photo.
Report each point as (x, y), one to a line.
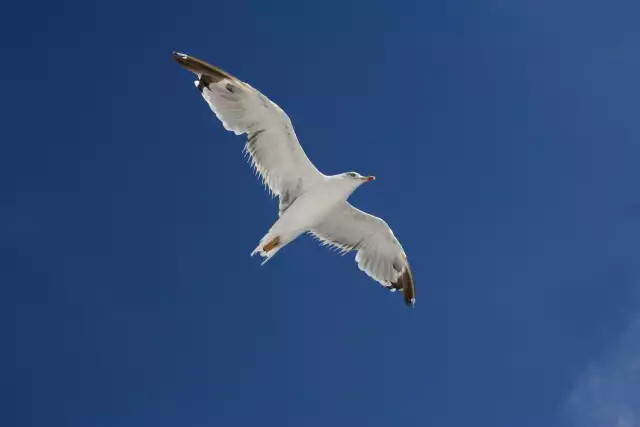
(352, 174)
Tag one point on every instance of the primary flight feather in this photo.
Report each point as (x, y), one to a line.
(310, 202)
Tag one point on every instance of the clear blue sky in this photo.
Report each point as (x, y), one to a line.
(504, 136)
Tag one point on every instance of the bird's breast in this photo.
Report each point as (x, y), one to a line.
(311, 207)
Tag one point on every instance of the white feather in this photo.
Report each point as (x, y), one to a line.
(348, 228)
(273, 147)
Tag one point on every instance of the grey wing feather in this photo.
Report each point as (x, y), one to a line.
(276, 153)
(380, 254)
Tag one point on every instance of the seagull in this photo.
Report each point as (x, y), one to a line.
(309, 201)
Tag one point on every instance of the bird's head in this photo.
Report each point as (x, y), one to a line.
(348, 182)
(357, 178)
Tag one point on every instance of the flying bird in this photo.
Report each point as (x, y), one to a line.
(309, 201)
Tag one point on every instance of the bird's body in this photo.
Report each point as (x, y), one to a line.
(309, 210)
(309, 200)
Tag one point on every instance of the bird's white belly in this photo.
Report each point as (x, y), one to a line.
(308, 210)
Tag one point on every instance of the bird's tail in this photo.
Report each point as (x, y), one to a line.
(269, 245)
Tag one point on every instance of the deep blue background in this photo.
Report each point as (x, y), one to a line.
(504, 136)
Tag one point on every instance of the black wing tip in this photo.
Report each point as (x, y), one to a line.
(180, 58)
(202, 68)
(406, 284)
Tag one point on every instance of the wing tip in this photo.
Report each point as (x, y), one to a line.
(202, 68)
(406, 283)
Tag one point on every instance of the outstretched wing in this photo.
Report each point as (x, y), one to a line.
(272, 143)
(380, 255)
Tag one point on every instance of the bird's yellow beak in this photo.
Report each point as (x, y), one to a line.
(368, 178)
